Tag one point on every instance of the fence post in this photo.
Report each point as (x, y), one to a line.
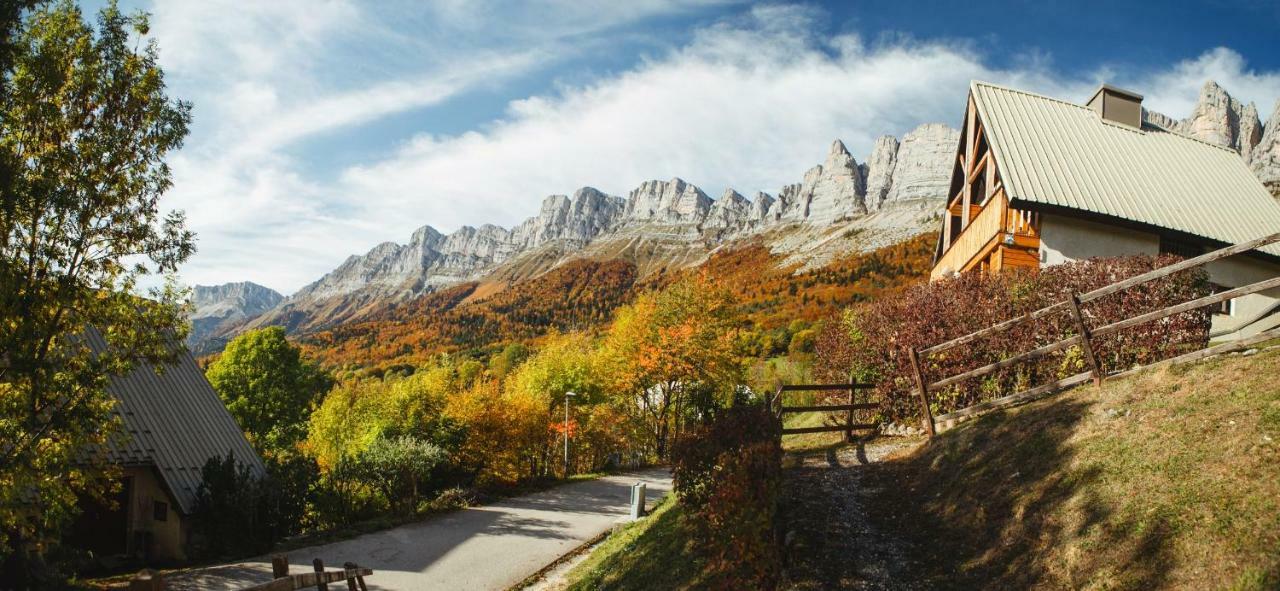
(923, 388)
(848, 434)
(320, 583)
(1085, 340)
(279, 566)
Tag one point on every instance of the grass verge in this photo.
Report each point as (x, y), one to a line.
(650, 554)
(1169, 479)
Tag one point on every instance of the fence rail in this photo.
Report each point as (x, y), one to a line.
(848, 427)
(1084, 336)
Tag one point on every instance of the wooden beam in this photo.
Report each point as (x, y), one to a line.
(1179, 266)
(991, 367)
(1015, 399)
(828, 428)
(813, 387)
(1229, 347)
(833, 407)
(923, 389)
(1083, 330)
(1105, 291)
(1188, 306)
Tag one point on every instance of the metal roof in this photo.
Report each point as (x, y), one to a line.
(1056, 153)
(175, 422)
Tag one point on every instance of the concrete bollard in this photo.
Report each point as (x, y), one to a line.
(637, 500)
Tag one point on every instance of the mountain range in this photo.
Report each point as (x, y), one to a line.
(840, 206)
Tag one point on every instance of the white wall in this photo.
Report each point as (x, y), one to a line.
(1066, 239)
(1237, 271)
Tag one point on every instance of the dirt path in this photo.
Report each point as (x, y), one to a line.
(830, 542)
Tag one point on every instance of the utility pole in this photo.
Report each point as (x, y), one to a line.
(567, 396)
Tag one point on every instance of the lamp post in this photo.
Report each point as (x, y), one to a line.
(567, 396)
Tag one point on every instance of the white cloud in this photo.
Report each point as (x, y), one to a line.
(750, 102)
(1174, 90)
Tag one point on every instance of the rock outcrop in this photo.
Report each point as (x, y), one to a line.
(1265, 157)
(831, 191)
(922, 167)
(218, 309)
(1220, 119)
(880, 170)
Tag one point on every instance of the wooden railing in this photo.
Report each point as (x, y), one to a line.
(780, 409)
(281, 580)
(981, 229)
(1084, 336)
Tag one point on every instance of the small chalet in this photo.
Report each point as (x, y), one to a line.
(1040, 181)
(173, 422)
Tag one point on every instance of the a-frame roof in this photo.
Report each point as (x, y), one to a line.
(1056, 153)
(175, 422)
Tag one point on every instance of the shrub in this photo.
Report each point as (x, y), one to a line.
(869, 343)
(235, 512)
(727, 474)
(403, 469)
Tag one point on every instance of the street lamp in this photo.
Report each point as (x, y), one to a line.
(567, 396)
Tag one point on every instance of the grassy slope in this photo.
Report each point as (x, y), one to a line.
(1167, 479)
(649, 554)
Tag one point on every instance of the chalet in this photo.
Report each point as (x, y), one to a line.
(1040, 181)
(173, 422)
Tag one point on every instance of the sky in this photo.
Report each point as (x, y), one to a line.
(324, 127)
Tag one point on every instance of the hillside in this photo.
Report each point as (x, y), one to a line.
(1166, 479)
(475, 317)
(462, 318)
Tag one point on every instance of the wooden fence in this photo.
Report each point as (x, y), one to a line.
(1084, 337)
(281, 580)
(780, 409)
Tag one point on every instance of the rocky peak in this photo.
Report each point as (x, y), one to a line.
(880, 170)
(243, 297)
(217, 308)
(1220, 119)
(729, 211)
(1265, 157)
(1217, 118)
(673, 202)
(760, 207)
(831, 191)
(922, 165)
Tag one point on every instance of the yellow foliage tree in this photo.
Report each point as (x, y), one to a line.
(665, 347)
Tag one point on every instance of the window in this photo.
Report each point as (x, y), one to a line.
(161, 511)
(1225, 307)
(1181, 248)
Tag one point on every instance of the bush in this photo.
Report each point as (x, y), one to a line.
(237, 513)
(403, 469)
(870, 342)
(727, 474)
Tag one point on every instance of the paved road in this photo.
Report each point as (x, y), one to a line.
(479, 548)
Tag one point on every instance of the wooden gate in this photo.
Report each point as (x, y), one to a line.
(848, 427)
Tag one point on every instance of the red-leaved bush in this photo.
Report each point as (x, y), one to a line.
(727, 475)
(869, 343)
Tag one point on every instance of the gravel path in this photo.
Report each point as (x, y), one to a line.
(489, 547)
(830, 542)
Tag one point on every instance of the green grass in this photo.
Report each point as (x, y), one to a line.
(1168, 479)
(807, 442)
(650, 554)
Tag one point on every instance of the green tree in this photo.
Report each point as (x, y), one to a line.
(269, 388)
(85, 125)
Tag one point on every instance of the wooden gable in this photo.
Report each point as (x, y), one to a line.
(979, 229)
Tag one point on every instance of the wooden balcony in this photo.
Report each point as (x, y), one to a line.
(997, 237)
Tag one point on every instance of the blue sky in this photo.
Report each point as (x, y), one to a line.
(323, 127)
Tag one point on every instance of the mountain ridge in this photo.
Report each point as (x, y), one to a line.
(840, 206)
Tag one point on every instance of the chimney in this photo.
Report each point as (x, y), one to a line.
(1117, 105)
